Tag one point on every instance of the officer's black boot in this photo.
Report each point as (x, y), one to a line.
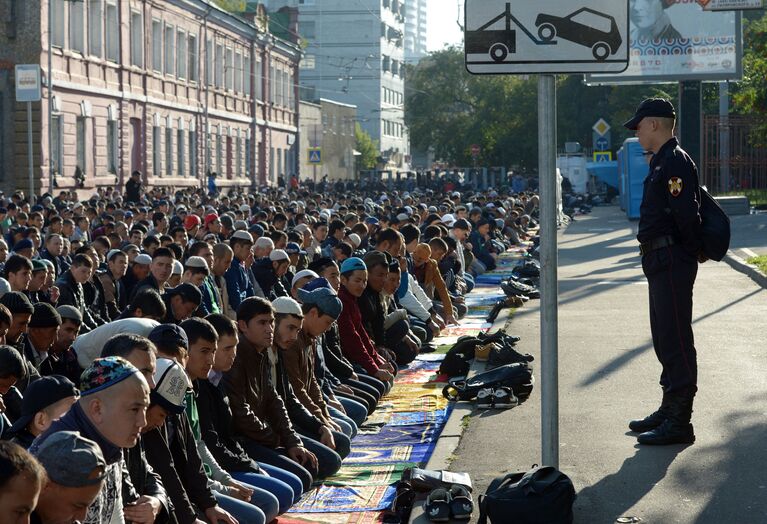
(652, 421)
(676, 429)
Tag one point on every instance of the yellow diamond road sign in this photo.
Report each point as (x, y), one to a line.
(601, 127)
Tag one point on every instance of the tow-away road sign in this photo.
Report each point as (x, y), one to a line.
(546, 36)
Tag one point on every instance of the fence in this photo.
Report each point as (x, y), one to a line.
(730, 160)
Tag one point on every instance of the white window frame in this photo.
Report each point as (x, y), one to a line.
(238, 71)
(58, 23)
(95, 27)
(169, 39)
(181, 55)
(137, 38)
(112, 32)
(157, 45)
(77, 26)
(229, 75)
(193, 68)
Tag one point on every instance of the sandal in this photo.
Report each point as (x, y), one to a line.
(402, 504)
(437, 507)
(461, 504)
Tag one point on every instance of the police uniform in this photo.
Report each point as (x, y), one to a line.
(669, 240)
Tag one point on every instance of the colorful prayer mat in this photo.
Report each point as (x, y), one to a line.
(324, 498)
(365, 476)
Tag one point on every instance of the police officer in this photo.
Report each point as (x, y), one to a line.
(671, 249)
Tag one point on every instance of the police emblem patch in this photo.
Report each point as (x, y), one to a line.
(675, 186)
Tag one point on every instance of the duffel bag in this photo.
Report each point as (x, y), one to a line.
(543, 495)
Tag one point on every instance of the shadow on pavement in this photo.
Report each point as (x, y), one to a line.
(626, 357)
(618, 492)
(734, 469)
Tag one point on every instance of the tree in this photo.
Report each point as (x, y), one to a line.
(750, 96)
(233, 6)
(367, 147)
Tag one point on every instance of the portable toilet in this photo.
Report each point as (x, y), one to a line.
(621, 156)
(573, 167)
(636, 170)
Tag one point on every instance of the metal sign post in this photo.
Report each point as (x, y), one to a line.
(547, 172)
(547, 37)
(28, 90)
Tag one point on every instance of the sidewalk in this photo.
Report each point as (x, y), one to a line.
(609, 374)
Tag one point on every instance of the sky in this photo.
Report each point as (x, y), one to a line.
(442, 23)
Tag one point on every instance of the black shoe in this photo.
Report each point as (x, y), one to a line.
(496, 310)
(669, 432)
(676, 429)
(502, 355)
(650, 422)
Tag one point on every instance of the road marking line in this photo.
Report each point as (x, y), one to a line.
(748, 252)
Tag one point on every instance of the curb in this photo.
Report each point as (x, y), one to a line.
(751, 271)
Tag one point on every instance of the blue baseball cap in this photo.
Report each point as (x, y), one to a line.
(24, 243)
(353, 264)
(294, 249)
(372, 220)
(324, 298)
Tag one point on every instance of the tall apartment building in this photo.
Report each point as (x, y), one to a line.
(170, 88)
(416, 24)
(355, 55)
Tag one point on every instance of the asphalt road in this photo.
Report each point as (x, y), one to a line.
(749, 232)
(609, 374)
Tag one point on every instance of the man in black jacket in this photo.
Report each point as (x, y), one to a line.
(70, 286)
(217, 429)
(171, 449)
(133, 188)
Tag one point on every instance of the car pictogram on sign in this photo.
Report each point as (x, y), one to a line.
(586, 27)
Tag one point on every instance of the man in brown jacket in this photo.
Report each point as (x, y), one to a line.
(260, 417)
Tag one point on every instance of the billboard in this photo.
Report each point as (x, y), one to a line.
(724, 5)
(675, 40)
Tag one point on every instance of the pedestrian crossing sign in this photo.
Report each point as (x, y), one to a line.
(603, 156)
(315, 155)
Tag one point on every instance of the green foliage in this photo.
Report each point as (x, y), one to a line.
(750, 96)
(233, 6)
(367, 147)
(760, 262)
(449, 110)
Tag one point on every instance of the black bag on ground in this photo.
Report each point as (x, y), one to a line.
(543, 495)
(456, 362)
(714, 227)
(517, 376)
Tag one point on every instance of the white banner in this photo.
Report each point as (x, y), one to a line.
(731, 5)
(673, 40)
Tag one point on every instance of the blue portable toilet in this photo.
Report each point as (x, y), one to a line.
(621, 156)
(636, 170)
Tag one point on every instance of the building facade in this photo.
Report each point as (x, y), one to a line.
(355, 54)
(171, 88)
(416, 26)
(327, 134)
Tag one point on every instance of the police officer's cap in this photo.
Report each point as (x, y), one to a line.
(657, 107)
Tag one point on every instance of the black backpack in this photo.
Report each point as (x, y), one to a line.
(543, 495)
(517, 376)
(714, 227)
(457, 359)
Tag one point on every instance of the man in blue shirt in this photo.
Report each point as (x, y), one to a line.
(238, 284)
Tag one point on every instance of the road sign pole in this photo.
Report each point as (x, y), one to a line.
(547, 162)
(29, 153)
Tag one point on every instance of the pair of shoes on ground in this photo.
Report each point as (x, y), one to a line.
(498, 398)
(443, 504)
